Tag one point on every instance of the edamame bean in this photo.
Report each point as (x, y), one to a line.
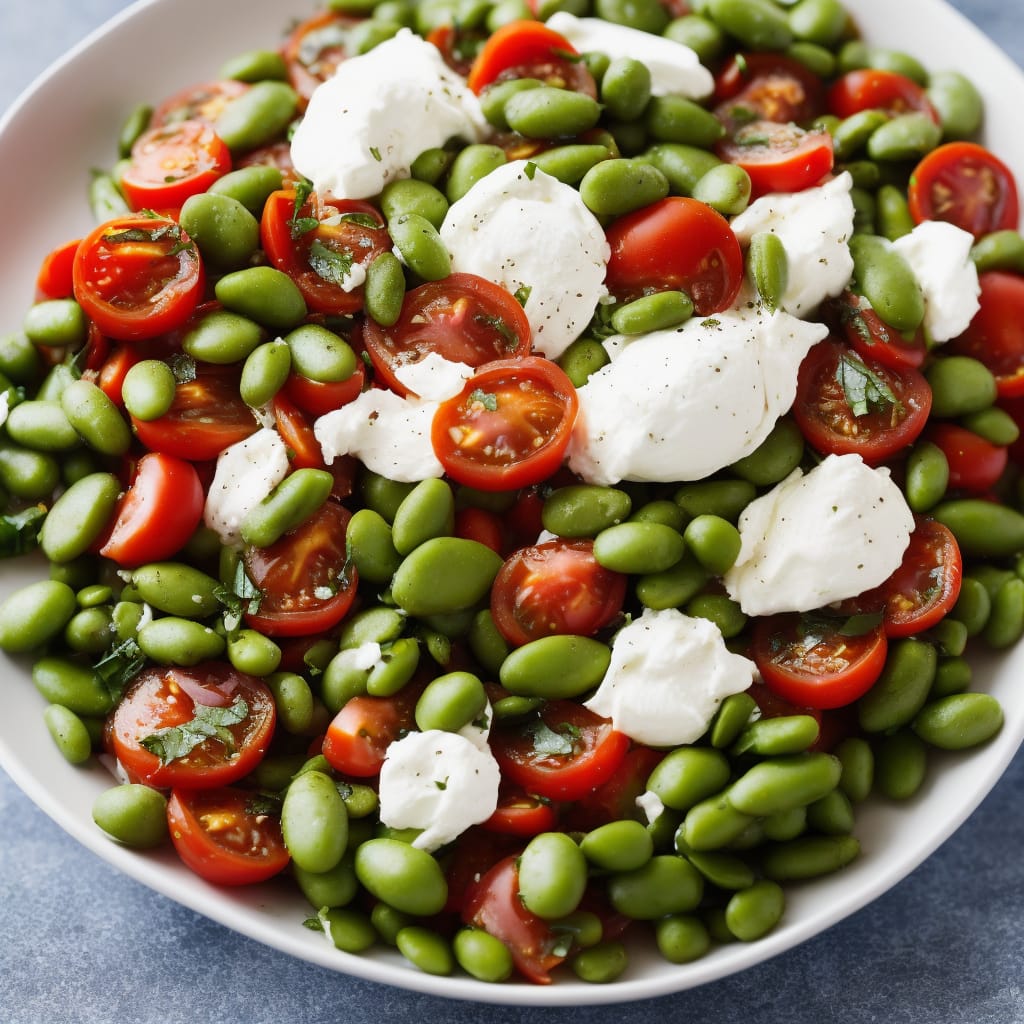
(105, 199)
(288, 505)
(371, 547)
(785, 825)
(394, 668)
(489, 647)
(314, 822)
(550, 113)
(757, 24)
(1001, 250)
(19, 359)
(1006, 621)
(264, 372)
(506, 11)
(334, 888)
(35, 614)
(401, 875)
(555, 667)
(732, 718)
(27, 474)
(581, 359)
(178, 641)
(771, 737)
(958, 102)
(883, 276)
(385, 289)
(251, 186)
(679, 120)
(725, 613)
(666, 884)
(901, 762)
(292, 696)
(584, 510)
(775, 458)
(148, 389)
(725, 870)
(344, 677)
(74, 686)
(723, 498)
(264, 294)
(427, 511)
(451, 702)
(753, 912)
(615, 187)
(983, 529)
(618, 846)
(569, 164)
(713, 823)
(858, 767)
(644, 15)
(257, 116)
(41, 426)
(178, 589)
(960, 385)
(255, 66)
(973, 606)
(832, 815)
(901, 689)
(714, 542)
(725, 188)
(497, 94)
(995, 425)
(893, 213)
(134, 125)
(320, 354)
(682, 165)
(853, 132)
(818, 21)
(663, 511)
(638, 547)
(952, 676)
(702, 36)
(481, 955)
(681, 938)
(809, 857)
(656, 312)
(927, 476)
(78, 517)
(626, 88)
(783, 783)
(133, 814)
(444, 575)
(56, 323)
(950, 636)
(225, 231)
(959, 721)
(349, 930)
(69, 734)
(407, 195)
(98, 421)
(426, 950)
(600, 964)
(421, 247)
(552, 875)
(257, 655)
(688, 775)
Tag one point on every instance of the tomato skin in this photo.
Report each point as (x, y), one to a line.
(161, 509)
(162, 697)
(873, 340)
(790, 159)
(520, 814)
(519, 442)
(996, 334)
(974, 463)
(315, 49)
(826, 420)
(966, 185)
(675, 243)
(615, 800)
(292, 569)
(771, 86)
(844, 668)
(221, 840)
(297, 434)
(55, 279)
(317, 398)
(203, 102)
(454, 318)
(598, 750)
(359, 735)
(555, 588)
(138, 289)
(870, 89)
(518, 44)
(480, 525)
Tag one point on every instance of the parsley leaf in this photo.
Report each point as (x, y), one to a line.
(119, 666)
(298, 226)
(530, 169)
(207, 723)
(549, 743)
(314, 924)
(330, 265)
(484, 398)
(375, 153)
(441, 785)
(364, 220)
(170, 231)
(262, 805)
(863, 388)
(19, 530)
(243, 595)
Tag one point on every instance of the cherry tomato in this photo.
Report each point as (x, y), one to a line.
(974, 463)
(996, 334)
(114, 370)
(778, 157)
(158, 513)
(493, 904)
(169, 698)
(874, 340)
(555, 587)
(55, 279)
(482, 526)
(869, 89)
(509, 427)
(303, 448)
(766, 87)
(966, 185)
(824, 408)
(170, 163)
(318, 244)
(277, 154)
(203, 102)
(463, 318)
(593, 751)
(305, 579)
(615, 800)
(458, 45)
(225, 836)
(206, 416)
(520, 814)
(676, 243)
(361, 732)
(807, 660)
(315, 49)
(137, 277)
(317, 398)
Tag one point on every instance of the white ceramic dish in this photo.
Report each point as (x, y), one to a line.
(64, 125)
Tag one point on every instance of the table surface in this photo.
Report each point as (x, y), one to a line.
(946, 945)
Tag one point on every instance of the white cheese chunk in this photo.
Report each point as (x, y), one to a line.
(365, 125)
(651, 806)
(939, 254)
(390, 435)
(433, 377)
(479, 729)
(440, 782)
(522, 228)
(825, 536)
(675, 69)
(246, 473)
(681, 404)
(363, 658)
(814, 227)
(667, 676)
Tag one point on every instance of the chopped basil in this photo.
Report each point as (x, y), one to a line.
(499, 326)
(330, 265)
(364, 220)
(207, 722)
(549, 743)
(242, 596)
(861, 625)
(263, 805)
(710, 323)
(314, 924)
(375, 153)
(530, 169)
(183, 366)
(119, 666)
(441, 785)
(522, 294)
(484, 398)
(298, 226)
(169, 231)
(863, 388)
(19, 530)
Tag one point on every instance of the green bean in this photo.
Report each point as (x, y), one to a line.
(713, 823)
(79, 516)
(134, 125)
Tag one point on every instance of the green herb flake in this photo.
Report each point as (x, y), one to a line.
(375, 153)
(522, 294)
(207, 722)
(864, 389)
(861, 624)
(364, 220)
(500, 327)
(330, 265)
(314, 924)
(263, 805)
(441, 785)
(19, 531)
(183, 366)
(484, 398)
(711, 323)
(530, 169)
(548, 743)
(119, 666)
(297, 225)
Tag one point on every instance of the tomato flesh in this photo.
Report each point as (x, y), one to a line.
(996, 334)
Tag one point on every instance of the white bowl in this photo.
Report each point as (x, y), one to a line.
(67, 124)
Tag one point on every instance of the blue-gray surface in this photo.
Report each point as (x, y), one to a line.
(81, 943)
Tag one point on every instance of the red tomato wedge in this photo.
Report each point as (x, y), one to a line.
(527, 49)
(361, 732)
(778, 157)
(315, 49)
(203, 102)
(55, 279)
(996, 334)
(870, 89)
(873, 340)
(974, 463)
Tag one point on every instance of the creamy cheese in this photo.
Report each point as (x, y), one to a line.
(939, 254)
(246, 473)
(522, 228)
(365, 125)
(667, 676)
(5, 406)
(651, 806)
(479, 729)
(433, 377)
(390, 435)
(675, 68)
(363, 658)
(814, 227)
(821, 537)
(681, 404)
(440, 782)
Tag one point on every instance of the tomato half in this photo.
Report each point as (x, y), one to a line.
(160, 510)
(206, 416)
(321, 397)
(615, 800)
(482, 526)
(297, 433)
(806, 659)
(520, 814)
(463, 318)
(225, 836)
(766, 87)
(676, 243)
(137, 277)
(974, 463)
(593, 751)
(966, 185)
(203, 102)
(305, 579)
(778, 157)
(320, 244)
(315, 49)
(829, 378)
(996, 334)
(55, 279)
(555, 587)
(871, 89)
(874, 340)
(529, 49)
(493, 904)
(360, 734)
(169, 698)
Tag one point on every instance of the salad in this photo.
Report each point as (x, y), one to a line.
(369, 592)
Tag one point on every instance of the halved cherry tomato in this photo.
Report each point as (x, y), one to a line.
(529, 49)
(555, 587)
(361, 732)
(206, 416)
(297, 434)
(321, 397)
(168, 698)
(114, 370)
(315, 49)
(874, 340)
(778, 157)
(458, 45)
(974, 463)
(824, 406)
(55, 279)
(203, 102)
(675, 243)
(966, 185)
(493, 904)
(509, 427)
(593, 751)
(615, 800)
(807, 660)
(158, 513)
(480, 525)
(520, 814)
(225, 836)
(766, 87)
(277, 154)
(137, 277)
(463, 318)
(173, 162)
(870, 89)
(318, 245)
(306, 582)
(996, 334)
